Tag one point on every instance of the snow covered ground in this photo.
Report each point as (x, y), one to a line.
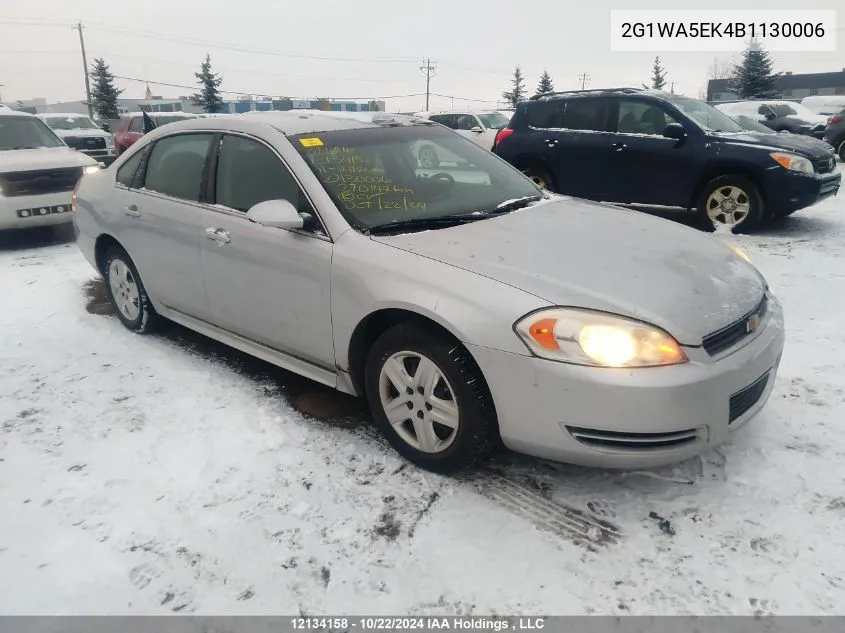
(169, 474)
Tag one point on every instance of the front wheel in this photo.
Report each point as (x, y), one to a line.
(540, 177)
(841, 151)
(126, 292)
(731, 201)
(428, 397)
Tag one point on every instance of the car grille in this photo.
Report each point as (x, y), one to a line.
(40, 181)
(623, 440)
(727, 337)
(746, 398)
(85, 142)
(825, 165)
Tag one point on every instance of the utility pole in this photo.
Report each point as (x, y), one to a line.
(429, 70)
(584, 78)
(79, 28)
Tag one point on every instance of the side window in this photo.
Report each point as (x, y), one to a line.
(136, 124)
(465, 122)
(640, 117)
(248, 172)
(544, 114)
(442, 119)
(127, 171)
(176, 164)
(586, 114)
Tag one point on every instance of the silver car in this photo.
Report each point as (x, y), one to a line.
(466, 310)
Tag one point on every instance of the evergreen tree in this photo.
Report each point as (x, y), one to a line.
(658, 75)
(545, 87)
(208, 98)
(753, 77)
(104, 94)
(517, 91)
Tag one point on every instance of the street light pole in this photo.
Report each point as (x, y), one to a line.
(79, 28)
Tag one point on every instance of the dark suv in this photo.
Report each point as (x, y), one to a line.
(652, 148)
(834, 133)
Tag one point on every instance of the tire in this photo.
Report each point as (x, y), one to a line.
(459, 394)
(745, 199)
(127, 294)
(540, 177)
(428, 157)
(841, 150)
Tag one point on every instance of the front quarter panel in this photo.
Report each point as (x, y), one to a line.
(368, 276)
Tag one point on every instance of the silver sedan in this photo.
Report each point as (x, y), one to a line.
(465, 304)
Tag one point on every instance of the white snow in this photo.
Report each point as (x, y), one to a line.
(147, 474)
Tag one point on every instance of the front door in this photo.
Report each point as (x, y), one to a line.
(161, 219)
(269, 285)
(646, 167)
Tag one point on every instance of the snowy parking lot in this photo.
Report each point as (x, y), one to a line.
(168, 473)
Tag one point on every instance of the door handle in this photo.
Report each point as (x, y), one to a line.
(618, 147)
(218, 235)
(551, 142)
(131, 210)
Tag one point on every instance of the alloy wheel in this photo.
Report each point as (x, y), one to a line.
(419, 402)
(728, 205)
(124, 289)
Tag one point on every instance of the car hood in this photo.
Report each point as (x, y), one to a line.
(42, 158)
(576, 253)
(808, 145)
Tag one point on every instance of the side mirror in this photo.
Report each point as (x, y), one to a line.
(105, 127)
(675, 131)
(279, 214)
(477, 129)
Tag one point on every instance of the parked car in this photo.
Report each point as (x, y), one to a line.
(781, 116)
(38, 172)
(478, 126)
(646, 147)
(810, 143)
(827, 105)
(465, 312)
(132, 126)
(834, 133)
(82, 134)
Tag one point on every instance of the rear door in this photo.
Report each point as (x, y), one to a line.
(162, 217)
(269, 285)
(644, 166)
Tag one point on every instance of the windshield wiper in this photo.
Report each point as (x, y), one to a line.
(508, 205)
(423, 223)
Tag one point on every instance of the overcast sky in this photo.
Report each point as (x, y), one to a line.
(348, 48)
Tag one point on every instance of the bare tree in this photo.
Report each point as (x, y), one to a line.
(720, 69)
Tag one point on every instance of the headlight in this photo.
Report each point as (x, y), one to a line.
(586, 337)
(792, 162)
(92, 169)
(109, 141)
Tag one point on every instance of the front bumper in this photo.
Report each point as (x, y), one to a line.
(622, 418)
(787, 191)
(22, 212)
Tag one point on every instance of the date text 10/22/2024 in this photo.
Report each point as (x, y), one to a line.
(459, 623)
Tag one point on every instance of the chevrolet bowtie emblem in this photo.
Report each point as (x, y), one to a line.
(752, 324)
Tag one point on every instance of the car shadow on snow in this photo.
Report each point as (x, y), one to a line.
(575, 504)
(20, 239)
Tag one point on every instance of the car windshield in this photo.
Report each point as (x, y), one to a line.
(494, 120)
(26, 132)
(411, 174)
(70, 123)
(706, 116)
(751, 125)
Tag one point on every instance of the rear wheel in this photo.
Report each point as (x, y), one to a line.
(428, 157)
(540, 177)
(731, 201)
(126, 292)
(429, 398)
(841, 151)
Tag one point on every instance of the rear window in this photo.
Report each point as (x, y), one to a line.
(586, 114)
(544, 114)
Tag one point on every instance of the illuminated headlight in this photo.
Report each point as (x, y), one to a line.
(92, 169)
(586, 337)
(792, 162)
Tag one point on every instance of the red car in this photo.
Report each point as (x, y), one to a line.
(132, 126)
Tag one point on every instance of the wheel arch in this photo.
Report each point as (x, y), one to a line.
(718, 169)
(102, 245)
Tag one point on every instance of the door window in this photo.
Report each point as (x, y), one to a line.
(136, 124)
(249, 172)
(176, 165)
(465, 122)
(544, 114)
(586, 114)
(127, 171)
(640, 117)
(444, 119)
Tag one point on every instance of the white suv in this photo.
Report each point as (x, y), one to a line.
(38, 172)
(82, 134)
(479, 126)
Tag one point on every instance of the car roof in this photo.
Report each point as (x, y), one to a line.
(9, 112)
(456, 112)
(294, 122)
(601, 92)
(66, 115)
(153, 115)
